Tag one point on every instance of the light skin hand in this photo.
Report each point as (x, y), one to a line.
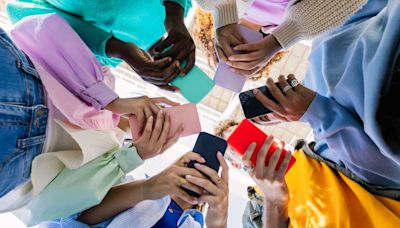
(218, 190)
(157, 72)
(292, 104)
(183, 47)
(226, 38)
(254, 56)
(142, 107)
(271, 182)
(123, 197)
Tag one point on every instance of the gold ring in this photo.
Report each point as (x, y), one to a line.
(182, 181)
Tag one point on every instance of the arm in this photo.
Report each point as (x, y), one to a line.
(224, 11)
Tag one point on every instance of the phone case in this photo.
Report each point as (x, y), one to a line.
(183, 114)
(251, 106)
(247, 133)
(227, 79)
(195, 85)
(208, 146)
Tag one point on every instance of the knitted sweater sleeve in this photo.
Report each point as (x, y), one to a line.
(306, 19)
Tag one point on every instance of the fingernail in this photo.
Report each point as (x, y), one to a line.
(197, 165)
(151, 118)
(231, 58)
(203, 160)
(233, 70)
(229, 63)
(220, 154)
(270, 80)
(205, 192)
(255, 91)
(194, 201)
(188, 176)
(169, 59)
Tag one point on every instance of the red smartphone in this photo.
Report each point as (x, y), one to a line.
(247, 133)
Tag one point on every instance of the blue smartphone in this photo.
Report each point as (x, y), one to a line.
(207, 146)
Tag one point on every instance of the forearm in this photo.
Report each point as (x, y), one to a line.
(275, 215)
(118, 199)
(306, 19)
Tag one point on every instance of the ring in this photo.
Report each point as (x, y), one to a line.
(294, 83)
(287, 88)
(182, 181)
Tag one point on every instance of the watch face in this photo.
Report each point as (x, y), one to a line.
(251, 106)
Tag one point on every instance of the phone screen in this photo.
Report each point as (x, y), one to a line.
(251, 106)
(207, 146)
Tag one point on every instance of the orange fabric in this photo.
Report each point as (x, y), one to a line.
(322, 197)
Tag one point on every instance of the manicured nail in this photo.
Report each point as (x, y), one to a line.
(255, 91)
(233, 70)
(197, 165)
(231, 58)
(229, 63)
(202, 160)
(169, 59)
(220, 154)
(188, 177)
(194, 201)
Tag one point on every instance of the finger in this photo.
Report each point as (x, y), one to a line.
(237, 39)
(178, 192)
(147, 112)
(184, 52)
(184, 171)
(163, 100)
(273, 161)
(220, 54)
(277, 117)
(191, 60)
(172, 52)
(283, 83)
(158, 128)
(276, 92)
(160, 74)
(268, 103)
(300, 88)
(141, 118)
(224, 166)
(226, 48)
(162, 45)
(284, 165)
(154, 108)
(243, 65)
(249, 152)
(204, 183)
(252, 56)
(262, 156)
(170, 88)
(194, 188)
(148, 129)
(147, 55)
(173, 139)
(166, 127)
(211, 173)
(247, 47)
(246, 73)
(190, 156)
(157, 64)
(210, 200)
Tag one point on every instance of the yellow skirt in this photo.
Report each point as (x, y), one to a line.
(323, 197)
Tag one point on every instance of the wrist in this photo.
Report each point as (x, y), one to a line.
(117, 48)
(273, 43)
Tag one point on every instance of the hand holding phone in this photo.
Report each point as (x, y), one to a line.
(208, 146)
(227, 79)
(185, 115)
(251, 106)
(247, 133)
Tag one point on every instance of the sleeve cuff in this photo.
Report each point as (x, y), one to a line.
(287, 34)
(99, 95)
(225, 14)
(128, 159)
(317, 111)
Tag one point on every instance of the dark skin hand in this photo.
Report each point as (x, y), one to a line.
(178, 45)
(157, 72)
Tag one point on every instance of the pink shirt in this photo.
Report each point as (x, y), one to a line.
(73, 78)
(266, 12)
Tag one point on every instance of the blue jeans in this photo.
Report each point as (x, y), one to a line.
(23, 115)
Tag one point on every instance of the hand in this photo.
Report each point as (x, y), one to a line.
(154, 141)
(157, 72)
(254, 55)
(269, 119)
(218, 189)
(179, 38)
(292, 104)
(141, 107)
(170, 181)
(271, 182)
(227, 37)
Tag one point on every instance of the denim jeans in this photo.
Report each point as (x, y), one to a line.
(23, 115)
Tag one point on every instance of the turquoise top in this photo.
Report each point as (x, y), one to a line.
(137, 21)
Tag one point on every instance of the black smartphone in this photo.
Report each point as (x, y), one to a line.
(251, 106)
(207, 146)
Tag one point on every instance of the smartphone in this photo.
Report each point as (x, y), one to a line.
(207, 146)
(186, 114)
(251, 106)
(195, 85)
(227, 79)
(247, 133)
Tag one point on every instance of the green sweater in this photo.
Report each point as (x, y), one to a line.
(137, 21)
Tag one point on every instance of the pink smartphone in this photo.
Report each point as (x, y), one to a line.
(183, 114)
(227, 79)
